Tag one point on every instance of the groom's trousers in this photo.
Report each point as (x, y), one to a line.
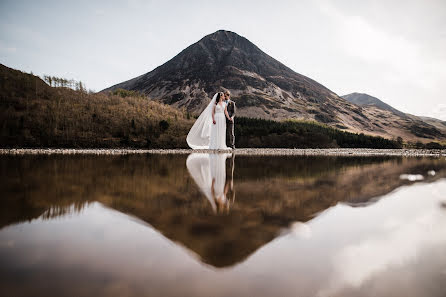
(230, 132)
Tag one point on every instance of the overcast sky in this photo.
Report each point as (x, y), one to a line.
(394, 50)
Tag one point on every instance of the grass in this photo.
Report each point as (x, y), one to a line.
(33, 114)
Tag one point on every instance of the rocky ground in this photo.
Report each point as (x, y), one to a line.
(242, 151)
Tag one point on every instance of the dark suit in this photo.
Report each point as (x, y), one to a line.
(230, 124)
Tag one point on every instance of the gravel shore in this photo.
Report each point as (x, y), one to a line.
(242, 151)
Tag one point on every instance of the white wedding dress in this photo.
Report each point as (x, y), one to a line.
(204, 134)
(205, 168)
(218, 130)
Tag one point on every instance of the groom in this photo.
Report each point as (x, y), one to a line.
(230, 105)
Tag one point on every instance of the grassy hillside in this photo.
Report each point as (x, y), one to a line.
(34, 114)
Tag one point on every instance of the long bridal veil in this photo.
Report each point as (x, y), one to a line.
(200, 133)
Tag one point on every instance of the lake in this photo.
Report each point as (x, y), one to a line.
(222, 225)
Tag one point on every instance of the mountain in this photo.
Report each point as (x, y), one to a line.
(35, 114)
(439, 124)
(261, 86)
(418, 126)
(365, 100)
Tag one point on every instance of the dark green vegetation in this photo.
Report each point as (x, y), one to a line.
(298, 134)
(34, 114)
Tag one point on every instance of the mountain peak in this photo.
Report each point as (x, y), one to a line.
(224, 59)
(221, 32)
(225, 36)
(229, 43)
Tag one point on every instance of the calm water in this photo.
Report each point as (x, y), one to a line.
(218, 225)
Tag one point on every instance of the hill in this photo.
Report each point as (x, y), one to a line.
(366, 100)
(33, 114)
(263, 88)
(415, 127)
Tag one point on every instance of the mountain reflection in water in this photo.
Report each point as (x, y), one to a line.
(137, 224)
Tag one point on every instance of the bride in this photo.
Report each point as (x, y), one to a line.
(209, 173)
(209, 130)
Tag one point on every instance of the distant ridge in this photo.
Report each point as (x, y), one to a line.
(362, 99)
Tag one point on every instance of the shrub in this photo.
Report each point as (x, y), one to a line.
(126, 93)
(164, 125)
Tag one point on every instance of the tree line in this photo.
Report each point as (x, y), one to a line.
(54, 81)
(302, 134)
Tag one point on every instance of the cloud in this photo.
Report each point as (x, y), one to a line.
(439, 111)
(404, 236)
(401, 59)
(99, 12)
(7, 49)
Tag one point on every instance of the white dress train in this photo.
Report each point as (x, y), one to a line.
(204, 134)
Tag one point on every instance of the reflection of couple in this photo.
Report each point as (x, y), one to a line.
(209, 173)
(209, 130)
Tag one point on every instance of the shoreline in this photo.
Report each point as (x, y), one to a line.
(242, 151)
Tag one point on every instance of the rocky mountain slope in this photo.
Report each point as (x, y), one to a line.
(407, 125)
(261, 86)
(365, 100)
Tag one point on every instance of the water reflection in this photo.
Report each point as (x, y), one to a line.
(209, 173)
(118, 225)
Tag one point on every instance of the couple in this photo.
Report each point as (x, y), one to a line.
(209, 130)
(209, 173)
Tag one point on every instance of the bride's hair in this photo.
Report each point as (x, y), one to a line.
(219, 95)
